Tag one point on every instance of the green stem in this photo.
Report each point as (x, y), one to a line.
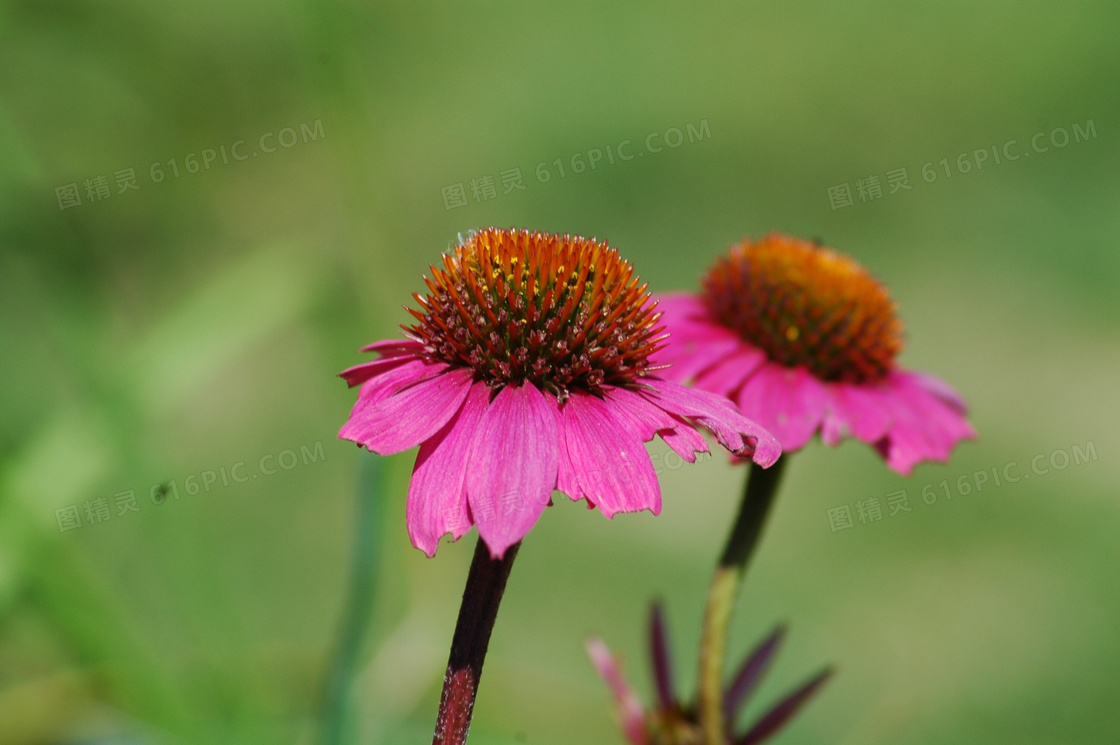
(762, 485)
(486, 582)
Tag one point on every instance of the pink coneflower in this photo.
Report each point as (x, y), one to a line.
(804, 339)
(527, 371)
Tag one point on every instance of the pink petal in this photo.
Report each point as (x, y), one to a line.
(388, 382)
(695, 341)
(514, 458)
(630, 711)
(685, 441)
(944, 418)
(394, 347)
(855, 411)
(728, 374)
(605, 462)
(363, 372)
(680, 306)
(684, 359)
(437, 499)
(641, 417)
(733, 430)
(409, 416)
(924, 427)
(789, 402)
(645, 419)
(939, 388)
(688, 316)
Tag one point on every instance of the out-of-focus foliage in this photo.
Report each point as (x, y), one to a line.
(156, 337)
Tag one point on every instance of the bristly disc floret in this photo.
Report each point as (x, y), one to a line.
(561, 312)
(807, 305)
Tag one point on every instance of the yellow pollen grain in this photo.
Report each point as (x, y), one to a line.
(792, 333)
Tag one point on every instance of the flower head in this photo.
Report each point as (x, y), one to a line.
(528, 370)
(804, 339)
(673, 722)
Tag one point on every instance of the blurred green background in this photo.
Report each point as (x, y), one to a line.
(155, 337)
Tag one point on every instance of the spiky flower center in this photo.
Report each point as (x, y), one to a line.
(804, 304)
(561, 312)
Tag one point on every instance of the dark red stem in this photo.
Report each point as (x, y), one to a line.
(486, 583)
